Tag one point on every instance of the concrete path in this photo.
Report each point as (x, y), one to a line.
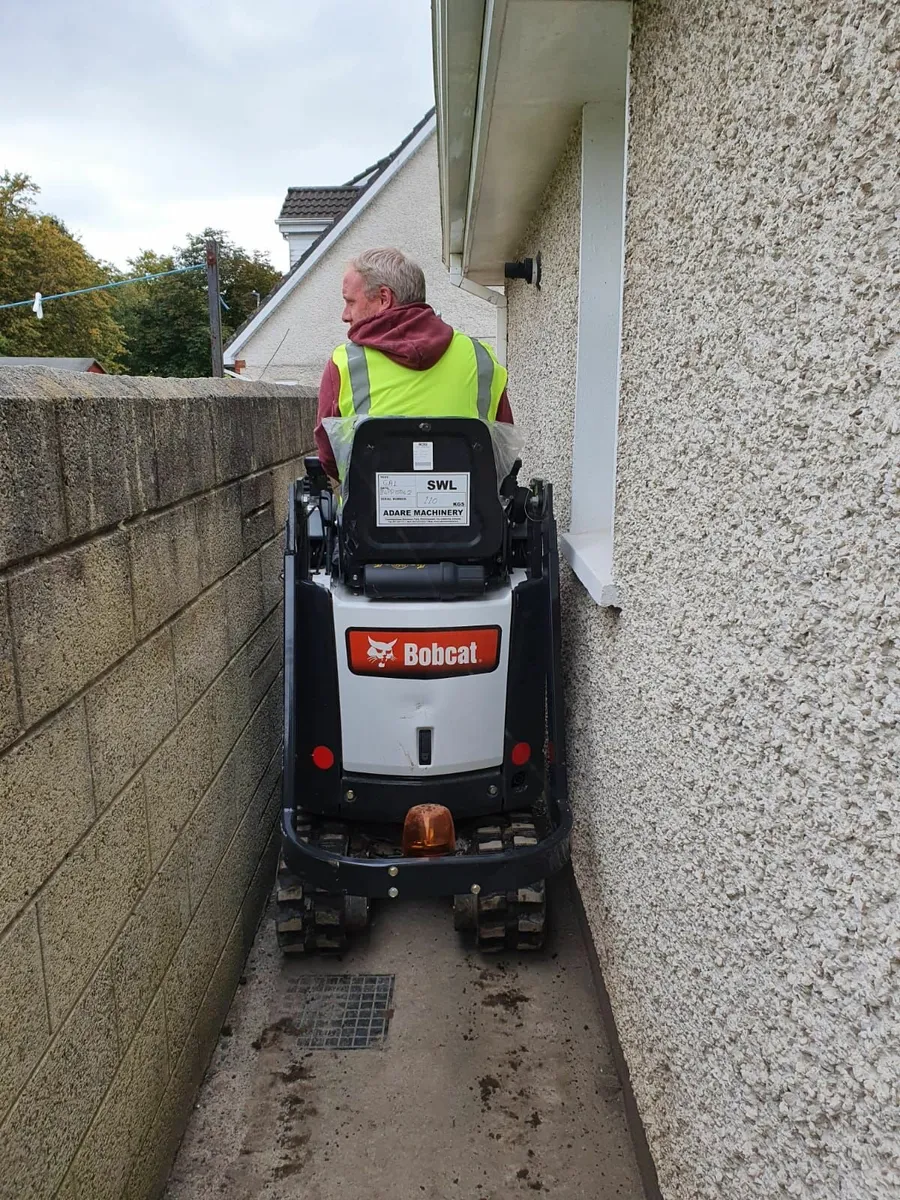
(494, 1081)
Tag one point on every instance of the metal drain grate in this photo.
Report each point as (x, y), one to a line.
(344, 1012)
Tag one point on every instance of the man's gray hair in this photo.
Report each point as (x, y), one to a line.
(391, 268)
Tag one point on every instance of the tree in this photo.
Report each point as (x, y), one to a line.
(154, 328)
(39, 254)
(166, 321)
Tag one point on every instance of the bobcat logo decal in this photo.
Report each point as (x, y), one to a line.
(423, 653)
(381, 652)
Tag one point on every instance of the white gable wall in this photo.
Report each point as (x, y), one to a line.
(299, 337)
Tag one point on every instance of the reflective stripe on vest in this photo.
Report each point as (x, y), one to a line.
(359, 379)
(466, 381)
(485, 378)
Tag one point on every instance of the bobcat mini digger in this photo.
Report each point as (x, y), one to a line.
(424, 751)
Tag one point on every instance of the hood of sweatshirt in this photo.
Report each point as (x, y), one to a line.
(413, 335)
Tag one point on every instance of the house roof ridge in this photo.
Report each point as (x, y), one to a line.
(322, 187)
(363, 190)
(374, 170)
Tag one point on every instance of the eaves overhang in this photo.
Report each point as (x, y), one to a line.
(511, 79)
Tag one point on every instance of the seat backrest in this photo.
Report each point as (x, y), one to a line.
(422, 490)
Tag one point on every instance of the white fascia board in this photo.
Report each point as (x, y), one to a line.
(302, 224)
(296, 277)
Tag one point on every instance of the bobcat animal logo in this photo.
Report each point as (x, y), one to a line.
(381, 652)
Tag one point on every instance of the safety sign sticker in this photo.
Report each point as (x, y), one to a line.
(420, 499)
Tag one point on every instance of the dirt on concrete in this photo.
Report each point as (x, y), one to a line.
(494, 1081)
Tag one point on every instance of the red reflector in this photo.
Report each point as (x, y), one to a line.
(521, 752)
(323, 758)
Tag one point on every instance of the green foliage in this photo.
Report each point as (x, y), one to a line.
(38, 254)
(155, 328)
(166, 322)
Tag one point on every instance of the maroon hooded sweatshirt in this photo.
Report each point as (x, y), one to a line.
(410, 334)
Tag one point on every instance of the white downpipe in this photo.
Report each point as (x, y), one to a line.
(502, 312)
(484, 293)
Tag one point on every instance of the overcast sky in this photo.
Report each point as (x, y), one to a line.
(143, 122)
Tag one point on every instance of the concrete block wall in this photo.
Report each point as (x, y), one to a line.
(140, 730)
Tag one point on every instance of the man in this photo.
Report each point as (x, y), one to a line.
(402, 359)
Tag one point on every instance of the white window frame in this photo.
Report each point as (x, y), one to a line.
(588, 545)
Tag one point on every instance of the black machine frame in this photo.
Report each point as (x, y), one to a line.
(531, 540)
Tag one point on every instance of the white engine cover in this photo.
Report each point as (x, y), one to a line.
(382, 713)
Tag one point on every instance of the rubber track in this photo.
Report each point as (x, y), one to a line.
(309, 921)
(509, 920)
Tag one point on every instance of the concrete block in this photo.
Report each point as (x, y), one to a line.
(184, 448)
(190, 971)
(231, 707)
(259, 813)
(264, 657)
(260, 889)
(259, 766)
(41, 1134)
(45, 805)
(212, 826)
(256, 492)
(147, 1180)
(244, 602)
(262, 814)
(200, 640)
(233, 437)
(90, 896)
(257, 528)
(210, 829)
(297, 419)
(268, 790)
(71, 617)
(108, 460)
(10, 725)
(32, 516)
(220, 533)
(165, 566)
(177, 776)
(271, 565)
(103, 1162)
(130, 713)
(266, 426)
(150, 938)
(282, 477)
(24, 1025)
(219, 994)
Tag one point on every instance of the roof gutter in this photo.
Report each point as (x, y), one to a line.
(462, 40)
(488, 62)
(458, 29)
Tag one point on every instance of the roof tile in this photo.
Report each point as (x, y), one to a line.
(325, 203)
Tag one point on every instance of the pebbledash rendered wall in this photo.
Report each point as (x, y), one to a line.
(734, 728)
(140, 726)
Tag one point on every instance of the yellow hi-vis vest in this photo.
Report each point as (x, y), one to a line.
(466, 381)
